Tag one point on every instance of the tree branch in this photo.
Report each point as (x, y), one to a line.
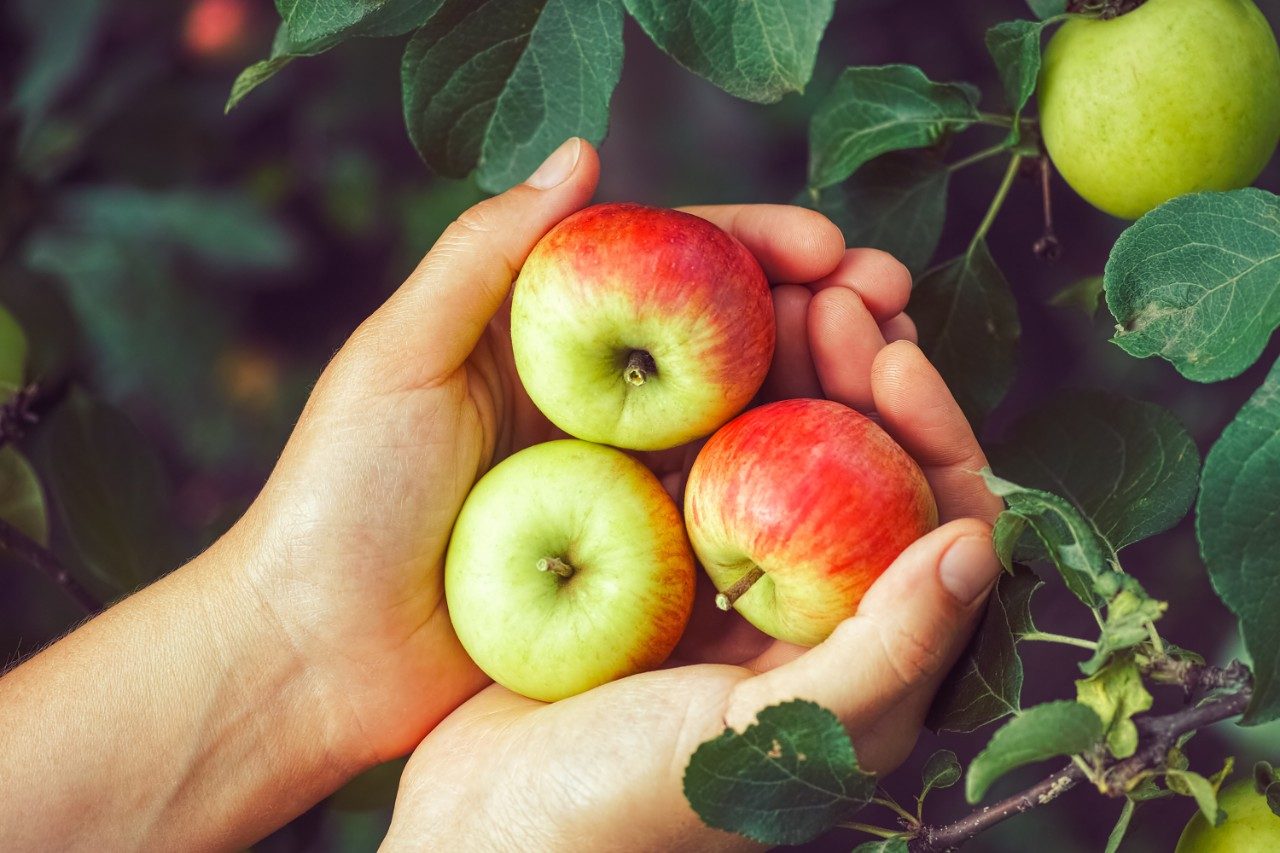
(1157, 735)
(42, 558)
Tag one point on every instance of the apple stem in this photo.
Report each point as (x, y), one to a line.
(556, 565)
(726, 599)
(640, 366)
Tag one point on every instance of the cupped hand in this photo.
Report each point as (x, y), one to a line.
(603, 770)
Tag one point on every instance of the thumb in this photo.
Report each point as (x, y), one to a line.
(430, 325)
(908, 631)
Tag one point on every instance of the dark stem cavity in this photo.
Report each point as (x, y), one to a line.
(726, 599)
(640, 366)
(556, 566)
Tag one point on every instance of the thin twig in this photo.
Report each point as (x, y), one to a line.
(935, 839)
(42, 558)
(1158, 735)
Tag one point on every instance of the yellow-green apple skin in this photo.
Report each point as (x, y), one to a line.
(617, 534)
(817, 496)
(641, 327)
(1250, 827)
(1175, 97)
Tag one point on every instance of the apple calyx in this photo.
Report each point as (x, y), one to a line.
(1104, 9)
(640, 366)
(556, 566)
(726, 599)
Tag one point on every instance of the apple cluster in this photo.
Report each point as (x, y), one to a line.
(637, 329)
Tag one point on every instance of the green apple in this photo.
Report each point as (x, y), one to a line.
(13, 355)
(1250, 827)
(1176, 96)
(568, 568)
(641, 327)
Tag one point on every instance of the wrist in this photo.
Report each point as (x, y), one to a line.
(374, 646)
(257, 619)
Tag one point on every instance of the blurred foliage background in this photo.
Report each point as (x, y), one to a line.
(182, 276)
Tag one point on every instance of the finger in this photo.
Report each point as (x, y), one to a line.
(793, 244)
(878, 277)
(791, 374)
(909, 629)
(899, 328)
(916, 408)
(429, 327)
(844, 339)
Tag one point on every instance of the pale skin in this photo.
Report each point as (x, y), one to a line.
(312, 641)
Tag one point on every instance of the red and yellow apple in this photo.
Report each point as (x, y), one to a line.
(640, 327)
(568, 567)
(795, 508)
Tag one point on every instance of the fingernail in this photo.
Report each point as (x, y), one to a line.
(558, 166)
(968, 568)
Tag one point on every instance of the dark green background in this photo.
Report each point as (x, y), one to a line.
(210, 342)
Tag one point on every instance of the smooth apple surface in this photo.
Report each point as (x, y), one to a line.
(817, 497)
(641, 327)
(1177, 96)
(1250, 825)
(568, 568)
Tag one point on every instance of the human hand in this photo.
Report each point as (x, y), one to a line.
(603, 770)
(347, 539)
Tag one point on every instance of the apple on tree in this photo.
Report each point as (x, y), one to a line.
(1250, 825)
(1173, 97)
(568, 568)
(795, 508)
(640, 327)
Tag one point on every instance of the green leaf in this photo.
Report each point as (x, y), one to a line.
(1085, 294)
(941, 770)
(968, 325)
(253, 77)
(986, 683)
(58, 37)
(1116, 693)
(1147, 789)
(224, 229)
(312, 21)
(1054, 728)
(1238, 525)
(1201, 789)
(13, 355)
(873, 110)
(1015, 47)
(1129, 610)
(896, 844)
(497, 86)
(1005, 535)
(50, 329)
(897, 203)
(1047, 8)
(324, 24)
(1127, 465)
(1197, 282)
(21, 500)
(1121, 827)
(791, 776)
(754, 49)
(1071, 542)
(111, 492)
